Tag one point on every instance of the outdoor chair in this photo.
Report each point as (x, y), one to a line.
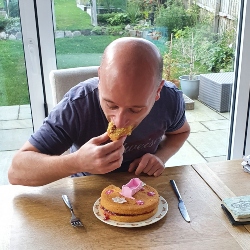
(62, 80)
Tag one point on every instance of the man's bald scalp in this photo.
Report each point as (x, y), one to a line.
(133, 52)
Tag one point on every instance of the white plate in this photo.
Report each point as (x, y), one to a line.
(161, 212)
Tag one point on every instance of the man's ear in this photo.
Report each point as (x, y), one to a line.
(157, 97)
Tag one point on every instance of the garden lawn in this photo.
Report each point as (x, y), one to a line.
(71, 52)
(70, 17)
(13, 82)
(81, 51)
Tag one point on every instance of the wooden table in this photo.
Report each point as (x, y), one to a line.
(37, 218)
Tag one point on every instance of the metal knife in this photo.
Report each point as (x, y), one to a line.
(181, 204)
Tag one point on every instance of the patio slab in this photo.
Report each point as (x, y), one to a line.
(202, 113)
(24, 112)
(9, 112)
(13, 124)
(210, 143)
(13, 139)
(216, 125)
(187, 155)
(197, 127)
(216, 158)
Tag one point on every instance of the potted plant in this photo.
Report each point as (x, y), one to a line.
(189, 83)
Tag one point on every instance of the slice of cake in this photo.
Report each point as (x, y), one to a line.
(115, 133)
(124, 205)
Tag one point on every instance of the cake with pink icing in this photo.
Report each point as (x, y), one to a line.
(134, 202)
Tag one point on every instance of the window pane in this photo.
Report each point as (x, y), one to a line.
(196, 41)
(15, 115)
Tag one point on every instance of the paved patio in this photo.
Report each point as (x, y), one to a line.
(207, 142)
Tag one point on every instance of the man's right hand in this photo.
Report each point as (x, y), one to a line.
(96, 157)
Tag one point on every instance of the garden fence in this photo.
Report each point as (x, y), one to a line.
(225, 12)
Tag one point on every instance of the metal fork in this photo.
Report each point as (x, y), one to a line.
(75, 222)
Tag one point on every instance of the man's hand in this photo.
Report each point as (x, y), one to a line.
(96, 157)
(148, 164)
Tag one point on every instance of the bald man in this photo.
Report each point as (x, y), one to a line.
(129, 92)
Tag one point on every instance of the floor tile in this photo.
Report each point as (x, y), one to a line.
(216, 158)
(197, 127)
(12, 124)
(9, 112)
(226, 115)
(210, 143)
(24, 112)
(202, 113)
(13, 139)
(187, 155)
(216, 125)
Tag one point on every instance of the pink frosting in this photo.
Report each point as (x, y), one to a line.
(109, 191)
(140, 202)
(132, 187)
(150, 193)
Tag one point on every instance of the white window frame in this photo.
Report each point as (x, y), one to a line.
(32, 61)
(45, 9)
(37, 52)
(239, 129)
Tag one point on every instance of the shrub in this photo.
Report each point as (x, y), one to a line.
(174, 17)
(3, 23)
(118, 19)
(13, 25)
(222, 56)
(109, 30)
(115, 30)
(98, 30)
(103, 18)
(212, 52)
(133, 10)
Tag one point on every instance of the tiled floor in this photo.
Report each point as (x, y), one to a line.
(207, 141)
(15, 129)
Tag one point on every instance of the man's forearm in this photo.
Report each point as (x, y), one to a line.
(31, 168)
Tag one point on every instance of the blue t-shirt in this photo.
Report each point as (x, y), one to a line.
(78, 117)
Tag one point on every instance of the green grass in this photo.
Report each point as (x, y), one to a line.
(71, 52)
(81, 51)
(70, 17)
(13, 82)
(83, 44)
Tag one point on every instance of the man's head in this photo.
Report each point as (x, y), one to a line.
(130, 80)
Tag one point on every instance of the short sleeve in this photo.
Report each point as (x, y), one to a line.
(59, 129)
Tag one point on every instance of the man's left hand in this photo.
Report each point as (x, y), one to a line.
(148, 164)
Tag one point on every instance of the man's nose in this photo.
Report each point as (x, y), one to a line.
(121, 120)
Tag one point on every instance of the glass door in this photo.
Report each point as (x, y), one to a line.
(15, 112)
(21, 89)
(69, 38)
